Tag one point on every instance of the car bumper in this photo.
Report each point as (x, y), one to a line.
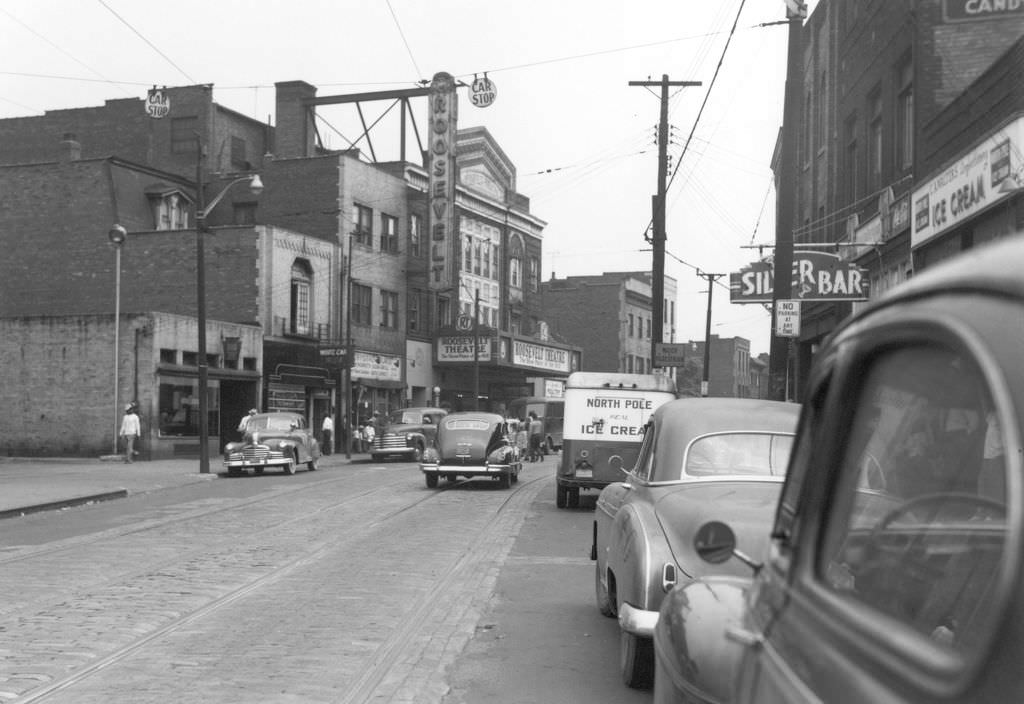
(242, 463)
(467, 470)
(577, 482)
(637, 621)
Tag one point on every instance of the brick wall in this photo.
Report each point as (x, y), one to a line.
(121, 128)
(58, 392)
(587, 316)
(55, 219)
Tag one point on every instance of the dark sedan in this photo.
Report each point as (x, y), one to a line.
(472, 445)
(896, 572)
(273, 440)
(700, 457)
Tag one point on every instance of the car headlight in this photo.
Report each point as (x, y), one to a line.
(409, 437)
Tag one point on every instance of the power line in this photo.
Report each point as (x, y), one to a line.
(151, 44)
(61, 50)
(404, 40)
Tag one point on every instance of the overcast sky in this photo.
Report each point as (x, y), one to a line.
(583, 140)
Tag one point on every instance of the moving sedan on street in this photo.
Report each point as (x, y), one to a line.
(278, 440)
(700, 457)
(896, 572)
(472, 445)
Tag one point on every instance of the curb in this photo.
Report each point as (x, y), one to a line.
(64, 503)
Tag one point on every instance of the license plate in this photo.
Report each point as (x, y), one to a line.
(585, 473)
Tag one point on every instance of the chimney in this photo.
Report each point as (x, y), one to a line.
(294, 131)
(70, 149)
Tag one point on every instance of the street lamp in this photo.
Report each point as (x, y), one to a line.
(202, 211)
(117, 236)
(476, 351)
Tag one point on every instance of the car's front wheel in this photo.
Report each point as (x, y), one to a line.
(289, 468)
(636, 660)
(431, 481)
(504, 480)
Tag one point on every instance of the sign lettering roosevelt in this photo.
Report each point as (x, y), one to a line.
(817, 276)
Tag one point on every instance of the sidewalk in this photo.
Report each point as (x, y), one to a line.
(28, 485)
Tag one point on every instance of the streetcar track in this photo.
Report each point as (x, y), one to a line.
(384, 657)
(156, 524)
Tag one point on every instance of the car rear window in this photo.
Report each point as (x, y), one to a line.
(466, 424)
(759, 454)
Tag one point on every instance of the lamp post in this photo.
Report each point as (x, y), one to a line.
(202, 211)
(476, 351)
(117, 236)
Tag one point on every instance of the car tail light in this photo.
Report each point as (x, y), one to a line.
(668, 576)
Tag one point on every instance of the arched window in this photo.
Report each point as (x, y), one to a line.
(301, 297)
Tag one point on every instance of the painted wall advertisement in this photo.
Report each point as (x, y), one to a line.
(978, 179)
(610, 414)
(817, 276)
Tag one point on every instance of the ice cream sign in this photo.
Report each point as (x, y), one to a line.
(817, 276)
(976, 180)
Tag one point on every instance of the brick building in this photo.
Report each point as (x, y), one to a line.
(897, 97)
(609, 317)
(334, 256)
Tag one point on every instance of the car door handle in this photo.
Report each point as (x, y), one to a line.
(744, 637)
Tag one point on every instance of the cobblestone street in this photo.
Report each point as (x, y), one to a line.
(355, 586)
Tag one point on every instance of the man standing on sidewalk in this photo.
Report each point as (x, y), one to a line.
(130, 430)
(328, 431)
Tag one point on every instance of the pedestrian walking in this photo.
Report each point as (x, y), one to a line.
(327, 428)
(243, 425)
(536, 433)
(130, 430)
(368, 434)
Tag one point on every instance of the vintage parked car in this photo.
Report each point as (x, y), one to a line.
(273, 440)
(700, 457)
(895, 570)
(472, 445)
(407, 433)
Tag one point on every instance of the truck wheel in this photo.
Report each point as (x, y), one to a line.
(561, 496)
(431, 481)
(574, 498)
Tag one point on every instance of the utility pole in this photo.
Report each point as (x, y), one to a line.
(782, 288)
(705, 383)
(658, 219)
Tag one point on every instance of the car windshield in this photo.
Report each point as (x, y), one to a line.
(406, 417)
(764, 454)
(271, 423)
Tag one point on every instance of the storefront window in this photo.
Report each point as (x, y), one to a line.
(179, 408)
